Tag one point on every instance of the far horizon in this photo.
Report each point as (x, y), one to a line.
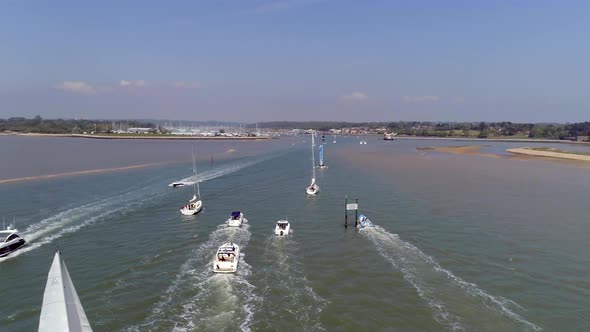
(297, 60)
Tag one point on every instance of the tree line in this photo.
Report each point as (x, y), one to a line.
(63, 126)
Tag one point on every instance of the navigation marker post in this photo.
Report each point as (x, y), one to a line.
(351, 207)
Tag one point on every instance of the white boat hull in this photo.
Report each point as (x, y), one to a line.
(282, 231)
(236, 222)
(192, 208)
(313, 190)
(226, 260)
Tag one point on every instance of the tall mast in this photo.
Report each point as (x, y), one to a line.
(195, 175)
(313, 155)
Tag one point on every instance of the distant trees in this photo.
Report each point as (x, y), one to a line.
(61, 126)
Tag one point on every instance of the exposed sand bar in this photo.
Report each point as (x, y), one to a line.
(148, 137)
(549, 154)
(474, 139)
(472, 150)
(75, 173)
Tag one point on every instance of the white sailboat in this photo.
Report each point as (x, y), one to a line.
(61, 310)
(321, 153)
(313, 188)
(194, 204)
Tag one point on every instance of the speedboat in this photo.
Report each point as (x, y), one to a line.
(10, 241)
(364, 222)
(235, 219)
(227, 258)
(282, 228)
(177, 184)
(193, 207)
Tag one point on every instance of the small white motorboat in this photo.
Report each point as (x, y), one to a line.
(235, 219)
(227, 258)
(177, 184)
(282, 228)
(10, 241)
(364, 222)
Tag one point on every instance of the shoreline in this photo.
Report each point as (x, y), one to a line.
(549, 154)
(139, 137)
(474, 139)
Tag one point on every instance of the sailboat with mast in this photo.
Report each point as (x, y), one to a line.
(313, 188)
(195, 204)
(321, 153)
(62, 309)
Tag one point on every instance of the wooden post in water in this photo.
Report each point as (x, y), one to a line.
(356, 213)
(346, 212)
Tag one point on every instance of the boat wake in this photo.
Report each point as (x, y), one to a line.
(218, 172)
(69, 221)
(284, 281)
(457, 304)
(201, 300)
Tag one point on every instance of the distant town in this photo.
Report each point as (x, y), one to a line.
(151, 128)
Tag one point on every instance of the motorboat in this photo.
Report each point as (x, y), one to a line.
(364, 222)
(10, 241)
(227, 258)
(282, 228)
(235, 219)
(177, 184)
(61, 309)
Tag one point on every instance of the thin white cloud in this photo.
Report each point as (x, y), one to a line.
(356, 96)
(420, 99)
(137, 84)
(76, 87)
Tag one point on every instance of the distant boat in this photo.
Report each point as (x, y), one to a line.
(313, 188)
(235, 219)
(177, 184)
(10, 241)
(61, 310)
(282, 228)
(321, 152)
(227, 258)
(389, 136)
(334, 136)
(364, 222)
(195, 204)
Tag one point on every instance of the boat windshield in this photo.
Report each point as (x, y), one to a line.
(235, 215)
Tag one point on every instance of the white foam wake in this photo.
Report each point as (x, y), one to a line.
(283, 276)
(219, 172)
(200, 300)
(449, 296)
(71, 220)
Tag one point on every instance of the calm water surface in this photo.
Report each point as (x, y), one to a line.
(462, 243)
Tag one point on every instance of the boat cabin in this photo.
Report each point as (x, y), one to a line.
(282, 224)
(235, 215)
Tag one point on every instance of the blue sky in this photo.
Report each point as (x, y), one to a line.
(239, 60)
